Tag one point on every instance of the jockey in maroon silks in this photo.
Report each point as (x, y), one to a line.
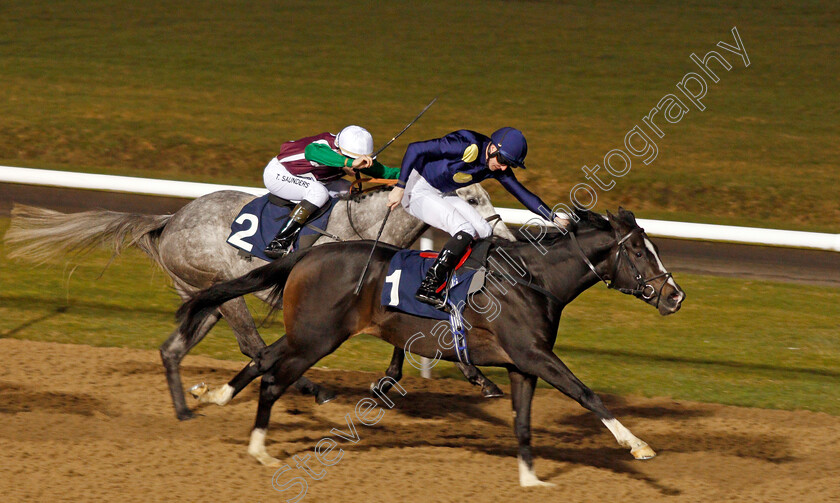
(311, 169)
(432, 169)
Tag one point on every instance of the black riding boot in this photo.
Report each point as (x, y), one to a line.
(431, 291)
(284, 239)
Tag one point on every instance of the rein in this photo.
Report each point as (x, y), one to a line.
(644, 288)
(359, 181)
(383, 181)
(495, 217)
(350, 219)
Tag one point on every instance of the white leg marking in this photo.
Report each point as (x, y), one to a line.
(662, 269)
(219, 396)
(527, 477)
(256, 448)
(638, 448)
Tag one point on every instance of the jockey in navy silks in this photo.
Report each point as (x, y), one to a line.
(433, 169)
(310, 170)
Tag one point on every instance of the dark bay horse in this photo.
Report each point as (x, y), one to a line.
(321, 312)
(191, 247)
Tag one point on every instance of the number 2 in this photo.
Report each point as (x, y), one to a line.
(236, 239)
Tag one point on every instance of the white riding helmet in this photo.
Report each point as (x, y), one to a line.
(354, 141)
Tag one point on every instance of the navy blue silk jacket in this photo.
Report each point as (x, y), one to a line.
(459, 159)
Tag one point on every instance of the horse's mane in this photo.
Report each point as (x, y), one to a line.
(592, 220)
(587, 220)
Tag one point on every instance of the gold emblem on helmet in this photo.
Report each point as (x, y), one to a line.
(470, 154)
(462, 177)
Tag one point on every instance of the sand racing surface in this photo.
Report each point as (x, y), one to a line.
(79, 423)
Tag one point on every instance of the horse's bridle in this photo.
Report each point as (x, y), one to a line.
(643, 285)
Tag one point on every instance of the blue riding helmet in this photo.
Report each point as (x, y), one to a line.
(512, 147)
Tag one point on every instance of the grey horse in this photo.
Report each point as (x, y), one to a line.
(191, 246)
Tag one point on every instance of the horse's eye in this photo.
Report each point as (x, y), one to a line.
(473, 201)
(639, 254)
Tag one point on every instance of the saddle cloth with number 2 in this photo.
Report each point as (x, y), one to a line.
(260, 220)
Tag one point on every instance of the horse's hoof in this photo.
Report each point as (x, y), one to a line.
(325, 396)
(643, 452)
(527, 477)
(199, 390)
(377, 391)
(271, 462)
(186, 416)
(265, 459)
(536, 483)
(491, 391)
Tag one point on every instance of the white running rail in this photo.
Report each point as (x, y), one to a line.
(682, 230)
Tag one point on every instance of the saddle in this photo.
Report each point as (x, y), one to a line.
(259, 221)
(408, 268)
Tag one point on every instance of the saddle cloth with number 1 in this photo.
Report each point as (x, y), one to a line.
(408, 268)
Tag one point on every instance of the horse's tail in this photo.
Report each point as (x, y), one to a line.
(40, 234)
(192, 313)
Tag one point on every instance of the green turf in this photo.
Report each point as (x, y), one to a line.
(740, 342)
(208, 91)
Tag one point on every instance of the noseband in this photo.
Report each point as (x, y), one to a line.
(644, 288)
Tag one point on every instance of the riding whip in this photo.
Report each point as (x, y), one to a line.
(383, 147)
(367, 264)
(381, 227)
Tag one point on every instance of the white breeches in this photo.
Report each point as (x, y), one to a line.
(296, 188)
(448, 213)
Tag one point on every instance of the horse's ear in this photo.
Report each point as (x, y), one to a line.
(627, 217)
(613, 221)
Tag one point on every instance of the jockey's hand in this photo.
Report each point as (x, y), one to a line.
(349, 170)
(362, 162)
(561, 222)
(395, 197)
